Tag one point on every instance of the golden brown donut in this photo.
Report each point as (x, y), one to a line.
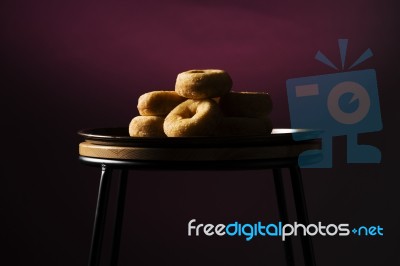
(246, 104)
(147, 126)
(203, 84)
(244, 126)
(193, 118)
(158, 103)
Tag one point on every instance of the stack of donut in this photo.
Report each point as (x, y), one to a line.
(202, 105)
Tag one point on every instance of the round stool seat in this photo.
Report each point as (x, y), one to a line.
(278, 145)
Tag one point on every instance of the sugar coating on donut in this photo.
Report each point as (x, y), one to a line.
(193, 118)
(158, 103)
(244, 126)
(147, 126)
(246, 104)
(203, 83)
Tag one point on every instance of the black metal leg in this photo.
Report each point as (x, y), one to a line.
(100, 216)
(119, 216)
(280, 194)
(302, 215)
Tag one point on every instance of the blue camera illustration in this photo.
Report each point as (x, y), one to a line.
(344, 103)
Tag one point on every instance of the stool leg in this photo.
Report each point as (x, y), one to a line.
(119, 216)
(302, 215)
(280, 195)
(100, 216)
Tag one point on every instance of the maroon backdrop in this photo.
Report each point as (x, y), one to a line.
(79, 64)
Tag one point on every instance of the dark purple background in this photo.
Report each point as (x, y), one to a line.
(78, 64)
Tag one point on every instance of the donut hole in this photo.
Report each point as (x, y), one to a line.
(192, 110)
(196, 71)
(188, 114)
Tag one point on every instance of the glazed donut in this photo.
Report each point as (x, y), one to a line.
(193, 118)
(246, 104)
(158, 103)
(147, 126)
(203, 84)
(244, 126)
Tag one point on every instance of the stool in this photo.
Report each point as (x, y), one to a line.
(112, 149)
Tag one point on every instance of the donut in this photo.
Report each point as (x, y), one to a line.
(203, 84)
(147, 126)
(246, 104)
(193, 118)
(158, 103)
(244, 126)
